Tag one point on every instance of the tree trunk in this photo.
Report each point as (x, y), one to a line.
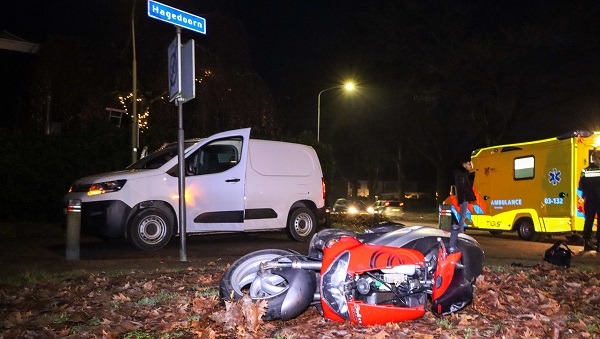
(400, 179)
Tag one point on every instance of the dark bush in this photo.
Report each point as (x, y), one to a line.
(38, 169)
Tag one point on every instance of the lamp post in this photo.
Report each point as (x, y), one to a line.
(348, 86)
(135, 132)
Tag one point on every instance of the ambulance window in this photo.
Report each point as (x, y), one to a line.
(524, 168)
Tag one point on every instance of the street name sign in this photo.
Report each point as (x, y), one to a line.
(176, 17)
(182, 86)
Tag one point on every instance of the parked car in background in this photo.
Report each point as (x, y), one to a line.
(351, 206)
(388, 208)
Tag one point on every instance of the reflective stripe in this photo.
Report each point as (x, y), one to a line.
(592, 174)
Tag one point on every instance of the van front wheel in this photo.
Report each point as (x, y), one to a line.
(151, 229)
(301, 224)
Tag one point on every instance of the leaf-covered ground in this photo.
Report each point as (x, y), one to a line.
(510, 302)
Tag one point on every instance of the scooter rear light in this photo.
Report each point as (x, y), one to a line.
(333, 283)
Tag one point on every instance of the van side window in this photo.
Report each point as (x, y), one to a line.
(524, 168)
(215, 157)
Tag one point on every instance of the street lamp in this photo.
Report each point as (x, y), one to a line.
(348, 87)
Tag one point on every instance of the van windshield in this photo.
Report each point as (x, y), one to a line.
(158, 158)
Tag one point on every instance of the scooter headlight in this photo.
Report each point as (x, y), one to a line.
(333, 283)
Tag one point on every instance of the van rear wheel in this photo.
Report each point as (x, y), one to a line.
(301, 224)
(151, 229)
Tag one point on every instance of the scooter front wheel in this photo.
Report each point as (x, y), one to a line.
(243, 278)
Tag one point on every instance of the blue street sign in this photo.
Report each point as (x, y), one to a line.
(174, 16)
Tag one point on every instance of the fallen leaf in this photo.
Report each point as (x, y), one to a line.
(121, 297)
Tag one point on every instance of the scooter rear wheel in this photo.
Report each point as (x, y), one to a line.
(242, 278)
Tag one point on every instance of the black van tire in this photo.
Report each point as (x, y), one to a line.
(151, 229)
(302, 224)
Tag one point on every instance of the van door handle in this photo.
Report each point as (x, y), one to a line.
(232, 180)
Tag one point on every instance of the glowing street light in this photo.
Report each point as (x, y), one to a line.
(348, 87)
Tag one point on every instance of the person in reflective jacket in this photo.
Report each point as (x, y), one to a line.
(589, 183)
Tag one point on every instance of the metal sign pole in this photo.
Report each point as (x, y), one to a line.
(180, 147)
(195, 23)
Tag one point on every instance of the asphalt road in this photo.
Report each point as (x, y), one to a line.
(36, 248)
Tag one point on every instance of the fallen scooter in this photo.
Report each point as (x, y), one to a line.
(387, 274)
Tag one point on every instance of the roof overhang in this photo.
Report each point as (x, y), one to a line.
(13, 43)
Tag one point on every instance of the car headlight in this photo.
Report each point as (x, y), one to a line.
(352, 210)
(333, 285)
(105, 187)
(370, 210)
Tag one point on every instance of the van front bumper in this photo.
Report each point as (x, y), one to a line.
(105, 219)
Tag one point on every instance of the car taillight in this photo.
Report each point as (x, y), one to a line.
(323, 186)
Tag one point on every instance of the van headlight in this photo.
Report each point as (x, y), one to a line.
(100, 187)
(105, 187)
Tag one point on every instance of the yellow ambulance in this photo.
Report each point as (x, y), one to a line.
(530, 187)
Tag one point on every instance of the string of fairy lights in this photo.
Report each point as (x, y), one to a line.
(143, 117)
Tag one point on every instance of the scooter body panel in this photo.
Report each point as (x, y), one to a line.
(359, 259)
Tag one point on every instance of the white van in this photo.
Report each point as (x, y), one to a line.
(232, 184)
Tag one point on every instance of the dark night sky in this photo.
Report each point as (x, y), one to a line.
(298, 47)
(290, 42)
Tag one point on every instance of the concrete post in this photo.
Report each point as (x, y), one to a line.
(73, 229)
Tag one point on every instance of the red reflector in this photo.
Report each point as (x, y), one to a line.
(73, 209)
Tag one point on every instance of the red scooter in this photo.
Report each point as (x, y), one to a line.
(387, 274)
